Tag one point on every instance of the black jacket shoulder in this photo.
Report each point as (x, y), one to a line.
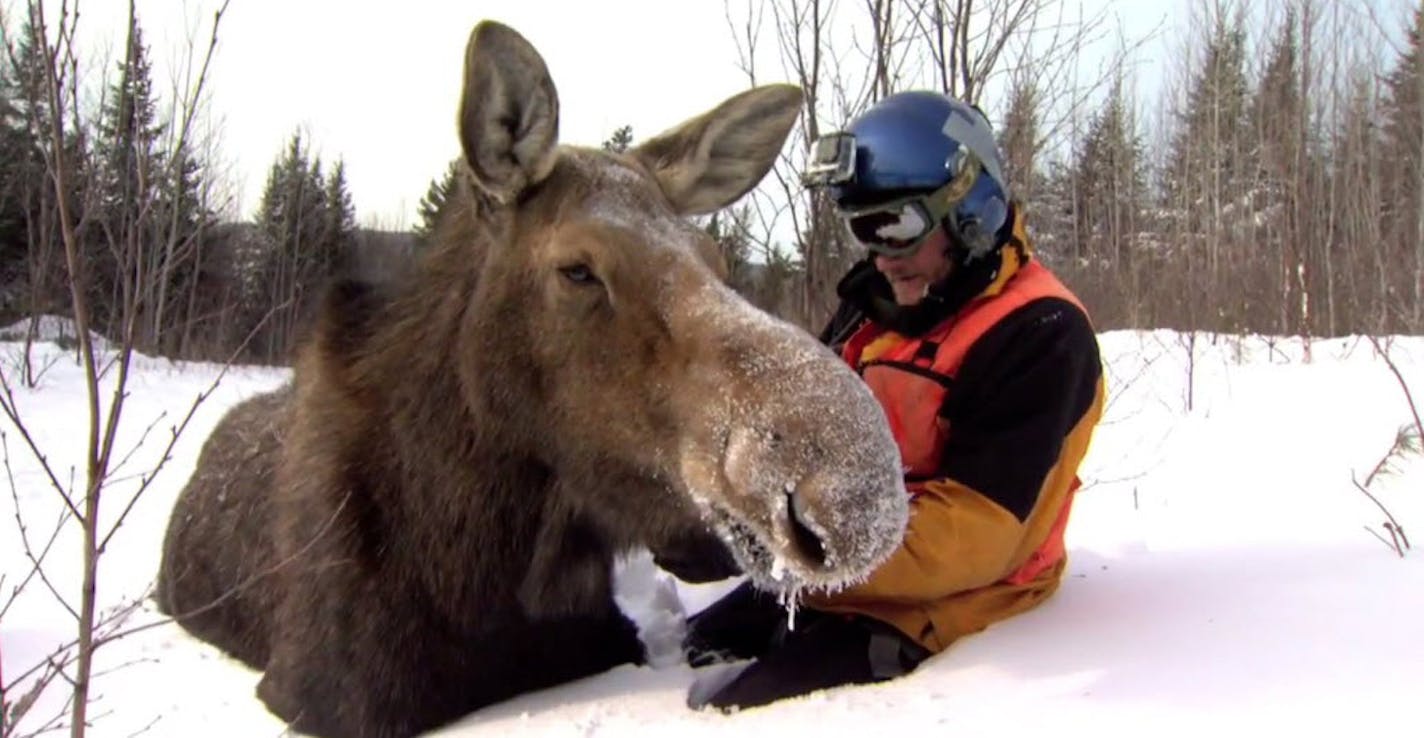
(1021, 389)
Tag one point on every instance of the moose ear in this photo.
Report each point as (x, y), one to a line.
(509, 113)
(708, 162)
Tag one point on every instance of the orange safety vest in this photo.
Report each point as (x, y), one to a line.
(913, 377)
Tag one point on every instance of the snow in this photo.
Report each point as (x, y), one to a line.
(1222, 578)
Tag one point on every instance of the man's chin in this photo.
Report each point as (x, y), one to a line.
(908, 293)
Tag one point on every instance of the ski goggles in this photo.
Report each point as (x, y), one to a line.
(898, 227)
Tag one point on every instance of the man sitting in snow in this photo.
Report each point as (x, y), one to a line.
(988, 370)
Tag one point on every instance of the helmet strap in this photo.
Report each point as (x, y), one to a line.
(867, 289)
(962, 252)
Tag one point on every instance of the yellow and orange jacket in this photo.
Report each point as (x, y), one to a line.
(993, 409)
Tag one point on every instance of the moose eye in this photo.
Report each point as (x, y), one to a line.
(579, 274)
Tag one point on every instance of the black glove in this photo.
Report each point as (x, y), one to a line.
(826, 650)
(743, 624)
(697, 558)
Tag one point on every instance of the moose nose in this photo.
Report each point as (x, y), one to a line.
(803, 531)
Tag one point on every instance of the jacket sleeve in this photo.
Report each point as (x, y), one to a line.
(1018, 394)
(957, 540)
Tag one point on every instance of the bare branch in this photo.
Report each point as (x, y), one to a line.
(36, 561)
(1392, 525)
(245, 584)
(128, 456)
(1392, 546)
(8, 406)
(1403, 386)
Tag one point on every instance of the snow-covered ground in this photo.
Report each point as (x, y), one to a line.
(1222, 575)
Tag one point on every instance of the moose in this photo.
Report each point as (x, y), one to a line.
(424, 520)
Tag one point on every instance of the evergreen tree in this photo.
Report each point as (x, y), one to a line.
(1403, 114)
(1019, 139)
(1053, 216)
(12, 215)
(339, 230)
(728, 229)
(184, 196)
(1360, 268)
(126, 267)
(292, 210)
(432, 206)
(1276, 109)
(1279, 121)
(27, 106)
(128, 137)
(185, 225)
(295, 251)
(1209, 175)
(27, 131)
(621, 139)
(1207, 167)
(1403, 195)
(1109, 182)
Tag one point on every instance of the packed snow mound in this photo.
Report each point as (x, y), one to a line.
(50, 328)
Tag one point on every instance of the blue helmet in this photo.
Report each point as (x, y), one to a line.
(908, 146)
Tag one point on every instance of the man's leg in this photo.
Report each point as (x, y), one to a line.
(827, 651)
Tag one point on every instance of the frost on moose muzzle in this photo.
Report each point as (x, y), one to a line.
(795, 465)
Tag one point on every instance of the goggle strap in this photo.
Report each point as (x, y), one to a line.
(955, 190)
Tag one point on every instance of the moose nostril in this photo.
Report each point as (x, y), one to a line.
(806, 539)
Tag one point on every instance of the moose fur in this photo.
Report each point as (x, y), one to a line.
(424, 521)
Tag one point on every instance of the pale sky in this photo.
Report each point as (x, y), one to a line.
(378, 87)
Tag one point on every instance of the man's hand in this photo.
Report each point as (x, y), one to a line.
(697, 559)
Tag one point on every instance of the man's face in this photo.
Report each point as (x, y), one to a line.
(910, 276)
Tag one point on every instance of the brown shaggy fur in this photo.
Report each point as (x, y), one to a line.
(424, 522)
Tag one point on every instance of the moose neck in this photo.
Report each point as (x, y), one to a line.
(453, 470)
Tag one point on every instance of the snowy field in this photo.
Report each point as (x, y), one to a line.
(1224, 575)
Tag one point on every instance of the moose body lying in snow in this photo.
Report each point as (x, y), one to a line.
(424, 522)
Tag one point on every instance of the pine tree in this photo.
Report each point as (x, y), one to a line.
(1092, 211)
(728, 229)
(1019, 139)
(23, 82)
(1404, 160)
(128, 136)
(338, 236)
(1209, 172)
(1053, 216)
(1358, 272)
(304, 205)
(1403, 114)
(621, 139)
(1110, 182)
(1278, 120)
(28, 131)
(126, 267)
(12, 215)
(185, 223)
(296, 257)
(1203, 160)
(1277, 105)
(432, 206)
